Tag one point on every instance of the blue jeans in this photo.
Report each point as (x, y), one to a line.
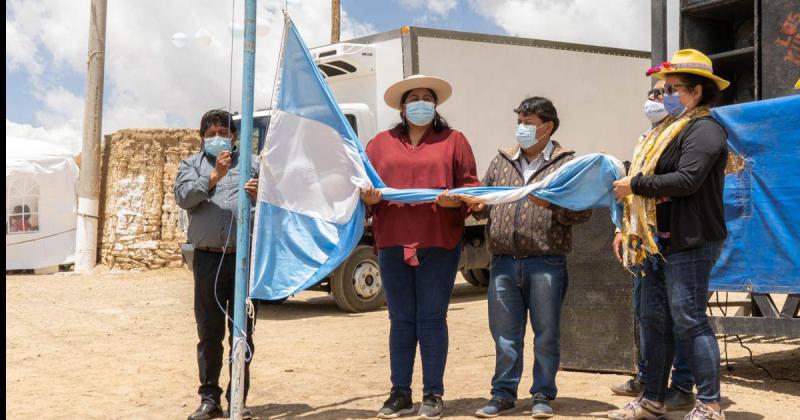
(418, 298)
(674, 299)
(681, 373)
(519, 288)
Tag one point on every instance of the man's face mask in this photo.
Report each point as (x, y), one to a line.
(216, 145)
(526, 135)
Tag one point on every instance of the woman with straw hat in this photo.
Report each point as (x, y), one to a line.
(419, 245)
(673, 231)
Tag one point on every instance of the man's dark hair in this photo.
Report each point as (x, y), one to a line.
(542, 108)
(711, 92)
(439, 123)
(217, 117)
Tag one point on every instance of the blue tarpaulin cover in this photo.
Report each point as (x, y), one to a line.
(762, 198)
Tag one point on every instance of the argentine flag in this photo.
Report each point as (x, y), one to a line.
(309, 215)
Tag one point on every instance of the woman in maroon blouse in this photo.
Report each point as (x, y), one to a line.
(419, 245)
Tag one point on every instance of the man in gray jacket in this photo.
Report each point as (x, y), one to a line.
(206, 186)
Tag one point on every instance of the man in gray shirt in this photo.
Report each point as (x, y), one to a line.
(206, 186)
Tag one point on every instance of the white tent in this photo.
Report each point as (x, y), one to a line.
(41, 182)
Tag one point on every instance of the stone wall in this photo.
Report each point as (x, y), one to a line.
(141, 226)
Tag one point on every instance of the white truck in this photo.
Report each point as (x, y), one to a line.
(598, 92)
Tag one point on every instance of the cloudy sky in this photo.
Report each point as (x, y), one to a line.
(149, 82)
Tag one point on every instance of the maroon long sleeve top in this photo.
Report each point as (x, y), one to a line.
(441, 160)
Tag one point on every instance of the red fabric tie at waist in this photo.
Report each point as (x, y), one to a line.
(410, 256)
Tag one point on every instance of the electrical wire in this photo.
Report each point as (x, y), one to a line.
(749, 351)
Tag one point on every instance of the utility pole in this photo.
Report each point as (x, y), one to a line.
(336, 12)
(89, 181)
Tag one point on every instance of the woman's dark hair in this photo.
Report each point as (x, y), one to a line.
(711, 93)
(542, 108)
(439, 123)
(217, 117)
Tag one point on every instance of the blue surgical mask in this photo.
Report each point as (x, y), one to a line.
(420, 113)
(526, 135)
(216, 145)
(673, 105)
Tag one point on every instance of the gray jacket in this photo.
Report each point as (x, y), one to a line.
(212, 214)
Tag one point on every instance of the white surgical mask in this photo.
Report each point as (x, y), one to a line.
(655, 111)
(526, 135)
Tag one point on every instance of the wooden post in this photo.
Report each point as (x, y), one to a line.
(336, 10)
(89, 180)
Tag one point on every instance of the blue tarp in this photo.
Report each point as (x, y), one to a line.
(762, 198)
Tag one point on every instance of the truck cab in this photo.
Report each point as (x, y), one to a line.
(358, 115)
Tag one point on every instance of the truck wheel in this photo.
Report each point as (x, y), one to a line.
(356, 285)
(477, 277)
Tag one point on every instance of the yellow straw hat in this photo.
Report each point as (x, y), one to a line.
(394, 93)
(688, 61)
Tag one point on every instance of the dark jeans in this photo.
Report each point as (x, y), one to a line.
(418, 298)
(520, 288)
(674, 298)
(211, 321)
(681, 373)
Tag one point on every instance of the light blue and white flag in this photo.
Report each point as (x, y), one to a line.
(582, 183)
(309, 216)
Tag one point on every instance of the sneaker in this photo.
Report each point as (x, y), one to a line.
(207, 410)
(541, 407)
(431, 407)
(639, 409)
(398, 405)
(630, 388)
(704, 412)
(495, 407)
(678, 400)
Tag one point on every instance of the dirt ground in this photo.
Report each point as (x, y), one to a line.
(122, 345)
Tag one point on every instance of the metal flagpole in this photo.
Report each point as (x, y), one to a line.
(243, 214)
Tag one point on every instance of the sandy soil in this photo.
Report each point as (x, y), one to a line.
(122, 345)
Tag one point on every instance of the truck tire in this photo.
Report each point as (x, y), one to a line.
(477, 277)
(356, 285)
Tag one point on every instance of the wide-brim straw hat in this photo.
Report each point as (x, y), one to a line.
(394, 93)
(688, 61)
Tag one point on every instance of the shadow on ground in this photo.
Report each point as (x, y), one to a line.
(305, 411)
(306, 306)
(781, 364)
